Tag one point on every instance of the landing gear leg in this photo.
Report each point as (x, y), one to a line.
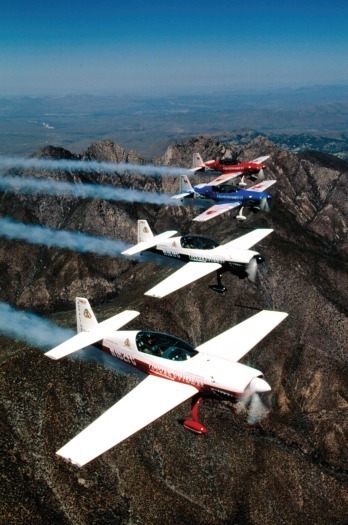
(219, 286)
(193, 424)
(242, 184)
(240, 216)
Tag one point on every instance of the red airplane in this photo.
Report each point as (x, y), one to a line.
(231, 169)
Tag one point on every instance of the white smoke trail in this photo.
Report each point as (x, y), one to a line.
(29, 185)
(42, 333)
(31, 328)
(76, 241)
(7, 162)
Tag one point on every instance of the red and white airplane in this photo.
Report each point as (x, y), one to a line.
(177, 372)
(230, 169)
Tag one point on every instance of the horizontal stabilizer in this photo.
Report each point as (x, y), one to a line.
(146, 245)
(186, 275)
(84, 339)
(249, 239)
(182, 195)
(239, 340)
(148, 401)
(262, 186)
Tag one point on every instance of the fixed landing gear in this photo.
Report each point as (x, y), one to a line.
(219, 288)
(193, 424)
(242, 184)
(240, 216)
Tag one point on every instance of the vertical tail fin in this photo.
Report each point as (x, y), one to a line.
(185, 185)
(85, 318)
(144, 231)
(197, 161)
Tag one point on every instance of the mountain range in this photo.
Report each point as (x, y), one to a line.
(291, 468)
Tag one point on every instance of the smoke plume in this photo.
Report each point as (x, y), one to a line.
(7, 162)
(79, 242)
(31, 328)
(92, 191)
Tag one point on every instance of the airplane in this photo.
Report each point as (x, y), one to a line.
(254, 198)
(202, 256)
(177, 372)
(230, 168)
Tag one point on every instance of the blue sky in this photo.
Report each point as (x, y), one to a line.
(109, 47)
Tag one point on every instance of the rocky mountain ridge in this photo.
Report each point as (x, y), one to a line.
(293, 467)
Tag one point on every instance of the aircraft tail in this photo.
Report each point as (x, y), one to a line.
(85, 318)
(89, 331)
(146, 239)
(186, 189)
(197, 162)
(144, 231)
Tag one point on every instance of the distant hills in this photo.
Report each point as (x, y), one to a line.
(295, 119)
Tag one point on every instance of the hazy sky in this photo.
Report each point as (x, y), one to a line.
(107, 46)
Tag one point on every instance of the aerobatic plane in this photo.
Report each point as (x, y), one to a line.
(228, 196)
(202, 256)
(230, 168)
(177, 372)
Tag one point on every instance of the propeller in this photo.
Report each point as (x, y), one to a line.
(251, 403)
(265, 204)
(251, 269)
(261, 174)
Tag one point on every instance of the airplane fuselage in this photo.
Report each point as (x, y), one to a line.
(230, 259)
(230, 194)
(242, 167)
(173, 359)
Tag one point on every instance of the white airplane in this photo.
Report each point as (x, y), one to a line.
(202, 256)
(177, 372)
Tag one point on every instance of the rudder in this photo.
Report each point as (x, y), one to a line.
(85, 318)
(144, 231)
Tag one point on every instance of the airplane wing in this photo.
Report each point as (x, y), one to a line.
(212, 212)
(248, 240)
(224, 178)
(148, 401)
(239, 340)
(260, 160)
(262, 186)
(145, 245)
(84, 339)
(185, 275)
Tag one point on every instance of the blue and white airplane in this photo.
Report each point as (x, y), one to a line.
(227, 195)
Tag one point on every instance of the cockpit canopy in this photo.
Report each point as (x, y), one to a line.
(228, 161)
(164, 345)
(225, 188)
(198, 242)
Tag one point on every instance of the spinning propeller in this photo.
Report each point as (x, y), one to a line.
(265, 205)
(261, 174)
(252, 267)
(251, 403)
